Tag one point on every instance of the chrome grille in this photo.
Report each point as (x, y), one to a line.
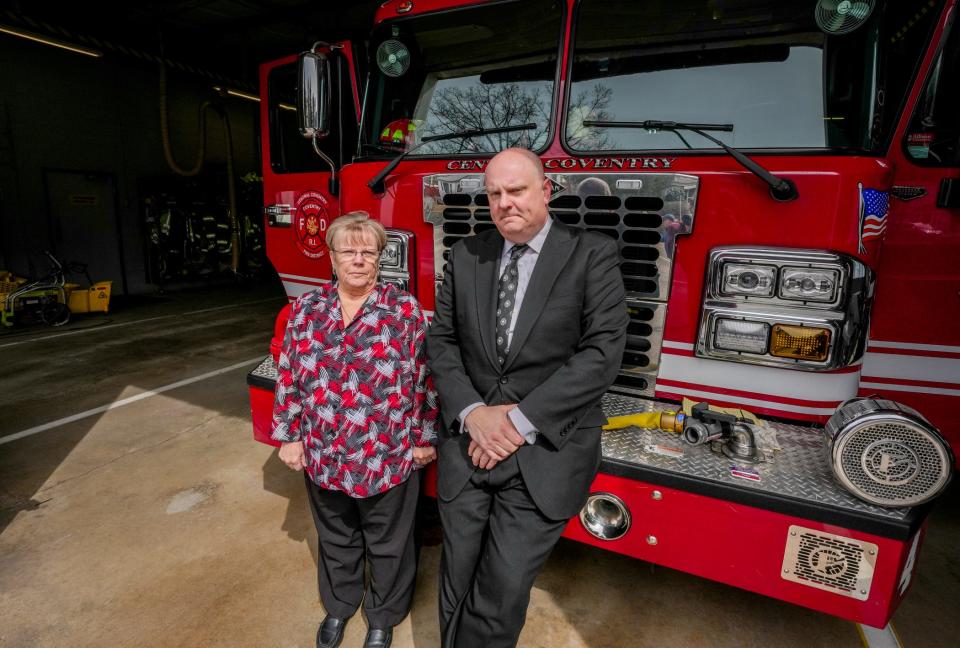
(644, 213)
(641, 357)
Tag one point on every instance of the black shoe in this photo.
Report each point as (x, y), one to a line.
(378, 638)
(330, 633)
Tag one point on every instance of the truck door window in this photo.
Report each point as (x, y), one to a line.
(933, 137)
(761, 65)
(475, 68)
(289, 151)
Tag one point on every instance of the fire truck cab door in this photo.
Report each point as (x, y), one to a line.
(300, 200)
(914, 350)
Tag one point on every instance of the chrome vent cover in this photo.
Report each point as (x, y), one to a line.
(829, 562)
(643, 212)
(886, 453)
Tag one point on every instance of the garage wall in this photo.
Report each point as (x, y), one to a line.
(67, 118)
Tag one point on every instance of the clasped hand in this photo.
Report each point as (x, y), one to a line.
(493, 436)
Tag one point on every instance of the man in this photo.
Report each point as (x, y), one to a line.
(528, 333)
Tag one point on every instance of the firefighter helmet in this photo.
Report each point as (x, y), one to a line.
(399, 133)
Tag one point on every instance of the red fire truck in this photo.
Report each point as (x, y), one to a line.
(783, 180)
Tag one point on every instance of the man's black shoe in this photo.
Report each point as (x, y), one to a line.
(378, 638)
(330, 633)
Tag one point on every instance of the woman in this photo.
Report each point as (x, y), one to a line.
(355, 408)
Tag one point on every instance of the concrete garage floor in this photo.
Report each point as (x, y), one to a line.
(161, 523)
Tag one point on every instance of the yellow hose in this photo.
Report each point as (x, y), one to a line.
(670, 421)
(663, 420)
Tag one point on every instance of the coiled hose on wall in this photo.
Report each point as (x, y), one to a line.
(201, 158)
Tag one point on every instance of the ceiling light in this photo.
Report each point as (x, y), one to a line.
(249, 97)
(237, 93)
(37, 38)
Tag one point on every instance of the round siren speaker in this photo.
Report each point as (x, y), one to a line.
(886, 453)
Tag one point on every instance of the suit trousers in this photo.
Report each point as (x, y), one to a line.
(381, 527)
(495, 542)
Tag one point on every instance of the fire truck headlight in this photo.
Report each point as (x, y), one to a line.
(741, 335)
(400, 283)
(605, 516)
(395, 259)
(394, 254)
(748, 279)
(809, 284)
(785, 307)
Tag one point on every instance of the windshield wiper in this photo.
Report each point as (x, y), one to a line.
(376, 183)
(782, 189)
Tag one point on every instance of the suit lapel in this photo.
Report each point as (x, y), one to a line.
(487, 278)
(552, 259)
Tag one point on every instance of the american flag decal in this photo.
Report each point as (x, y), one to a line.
(874, 206)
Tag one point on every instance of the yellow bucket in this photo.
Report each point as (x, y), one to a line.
(95, 299)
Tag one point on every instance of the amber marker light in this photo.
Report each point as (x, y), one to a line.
(800, 342)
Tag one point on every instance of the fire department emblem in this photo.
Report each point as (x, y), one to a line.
(891, 462)
(311, 224)
(828, 562)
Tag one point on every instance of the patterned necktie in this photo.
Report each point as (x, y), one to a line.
(507, 300)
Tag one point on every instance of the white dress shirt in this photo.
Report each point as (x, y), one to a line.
(525, 266)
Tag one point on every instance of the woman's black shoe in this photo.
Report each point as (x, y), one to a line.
(330, 633)
(378, 638)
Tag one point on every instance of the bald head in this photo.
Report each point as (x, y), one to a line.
(518, 193)
(517, 153)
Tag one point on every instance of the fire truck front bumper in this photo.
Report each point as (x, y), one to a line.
(785, 528)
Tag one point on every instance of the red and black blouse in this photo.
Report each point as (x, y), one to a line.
(359, 397)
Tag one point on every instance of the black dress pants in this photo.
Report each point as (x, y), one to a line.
(495, 541)
(379, 528)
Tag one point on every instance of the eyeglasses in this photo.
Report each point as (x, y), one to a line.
(348, 254)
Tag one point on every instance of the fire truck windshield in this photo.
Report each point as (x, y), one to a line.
(475, 69)
(763, 66)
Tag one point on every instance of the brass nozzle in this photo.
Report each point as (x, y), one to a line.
(670, 422)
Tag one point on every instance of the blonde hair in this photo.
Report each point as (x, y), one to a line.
(357, 223)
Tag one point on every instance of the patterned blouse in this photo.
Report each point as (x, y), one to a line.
(359, 397)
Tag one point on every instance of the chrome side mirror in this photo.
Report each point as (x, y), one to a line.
(313, 95)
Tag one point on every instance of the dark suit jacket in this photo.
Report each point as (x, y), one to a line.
(565, 352)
